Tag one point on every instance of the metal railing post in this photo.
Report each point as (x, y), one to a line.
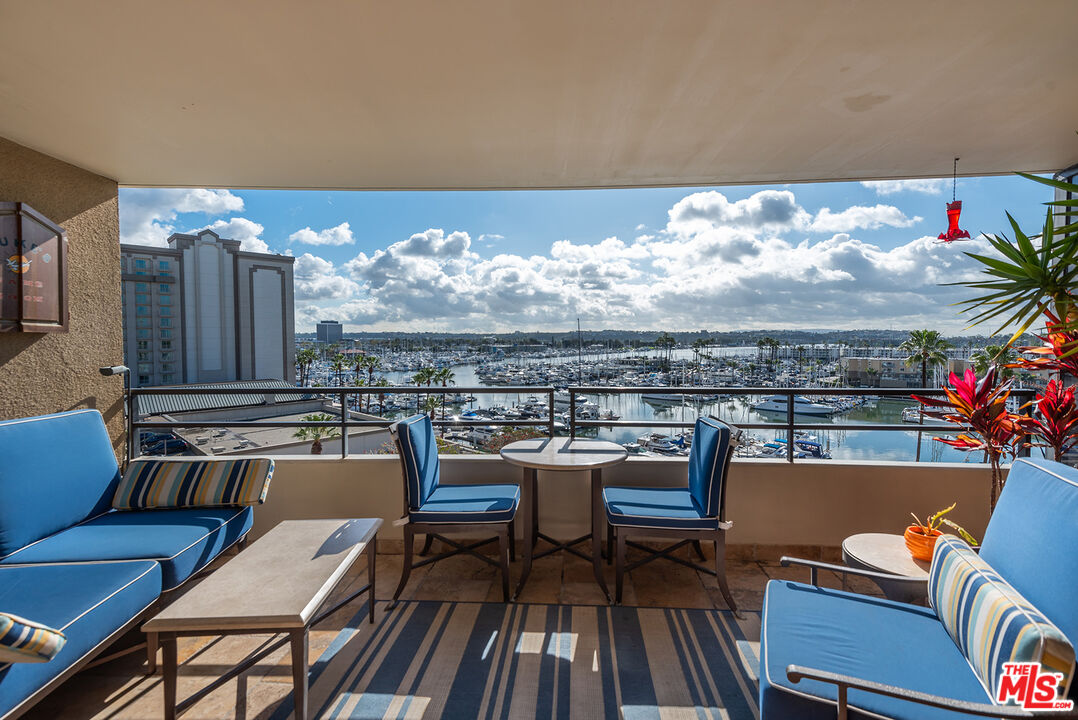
(572, 414)
(550, 412)
(344, 425)
(130, 420)
(789, 426)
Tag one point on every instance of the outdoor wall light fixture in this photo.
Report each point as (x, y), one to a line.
(33, 271)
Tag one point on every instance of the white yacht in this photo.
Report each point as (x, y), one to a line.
(663, 398)
(802, 406)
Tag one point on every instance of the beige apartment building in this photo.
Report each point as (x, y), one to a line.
(203, 310)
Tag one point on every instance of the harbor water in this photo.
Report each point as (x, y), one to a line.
(843, 441)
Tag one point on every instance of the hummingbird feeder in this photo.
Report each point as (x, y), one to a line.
(954, 213)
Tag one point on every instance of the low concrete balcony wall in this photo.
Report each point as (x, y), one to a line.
(804, 507)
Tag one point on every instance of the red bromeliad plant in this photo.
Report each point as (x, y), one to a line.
(980, 407)
(1059, 353)
(1054, 418)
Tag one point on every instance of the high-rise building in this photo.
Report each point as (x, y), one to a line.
(329, 331)
(202, 310)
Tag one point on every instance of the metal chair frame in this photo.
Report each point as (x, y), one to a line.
(504, 532)
(618, 536)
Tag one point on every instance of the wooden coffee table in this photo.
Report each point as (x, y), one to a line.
(886, 552)
(274, 586)
(563, 454)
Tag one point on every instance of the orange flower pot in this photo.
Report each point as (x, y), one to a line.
(919, 544)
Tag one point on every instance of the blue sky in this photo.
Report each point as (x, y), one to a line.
(826, 255)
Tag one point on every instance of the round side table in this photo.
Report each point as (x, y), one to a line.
(886, 552)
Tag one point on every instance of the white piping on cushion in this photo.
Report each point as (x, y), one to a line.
(85, 562)
(111, 595)
(663, 517)
(19, 421)
(801, 693)
(1024, 461)
(35, 542)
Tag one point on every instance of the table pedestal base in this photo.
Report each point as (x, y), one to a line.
(529, 490)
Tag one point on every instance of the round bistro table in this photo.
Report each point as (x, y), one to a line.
(562, 454)
(886, 552)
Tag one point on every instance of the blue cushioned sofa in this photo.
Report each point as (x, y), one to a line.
(69, 561)
(896, 660)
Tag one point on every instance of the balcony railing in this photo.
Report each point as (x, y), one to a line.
(346, 422)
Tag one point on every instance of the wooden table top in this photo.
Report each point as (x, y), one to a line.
(562, 453)
(886, 552)
(278, 582)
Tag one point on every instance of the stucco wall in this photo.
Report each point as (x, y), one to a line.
(44, 373)
(772, 503)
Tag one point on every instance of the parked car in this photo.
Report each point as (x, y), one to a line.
(149, 438)
(170, 446)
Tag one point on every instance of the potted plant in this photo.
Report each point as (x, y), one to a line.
(921, 537)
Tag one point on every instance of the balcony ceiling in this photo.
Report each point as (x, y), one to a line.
(539, 93)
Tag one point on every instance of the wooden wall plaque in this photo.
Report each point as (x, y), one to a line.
(33, 271)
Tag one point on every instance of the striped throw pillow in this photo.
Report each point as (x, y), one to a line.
(206, 483)
(23, 641)
(989, 620)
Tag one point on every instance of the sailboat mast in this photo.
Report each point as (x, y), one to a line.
(579, 354)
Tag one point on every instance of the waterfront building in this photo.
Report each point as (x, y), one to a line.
(329, 331)
(203, 310)
(890, 371)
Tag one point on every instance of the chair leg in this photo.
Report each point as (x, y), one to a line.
(503, 555)
(426, 545)
(409, 536)
(619, 571)
(513, 541)
(720, 573)
(609, 544)
(699, 549)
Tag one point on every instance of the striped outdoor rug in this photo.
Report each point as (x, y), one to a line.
(493, 660)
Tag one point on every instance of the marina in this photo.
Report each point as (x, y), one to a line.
(847, 438)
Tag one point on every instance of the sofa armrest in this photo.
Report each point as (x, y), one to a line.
(797, 673)
(814, 566)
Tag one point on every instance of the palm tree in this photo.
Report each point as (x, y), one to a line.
(997, 356)
(305, 359)
(315, 434)
(373, 363)
(926, 347)
(424, 376)
(444, 376)
(382, 382)
(338, 365)
(360, 365)
(666, 342)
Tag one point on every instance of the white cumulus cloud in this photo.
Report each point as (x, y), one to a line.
(891, 187)
(861, 217)
(248, 232)
(317, 279)
(338, 235)
(767, 209)
(148, 215)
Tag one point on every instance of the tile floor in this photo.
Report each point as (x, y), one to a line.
(120, 688)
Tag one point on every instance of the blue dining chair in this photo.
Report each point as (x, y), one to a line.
(433, 508)
(691, 514)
